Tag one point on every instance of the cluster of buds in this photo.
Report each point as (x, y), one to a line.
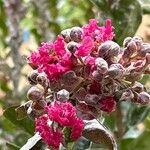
(82, 74)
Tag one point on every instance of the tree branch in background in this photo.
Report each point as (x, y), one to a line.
(15, 12)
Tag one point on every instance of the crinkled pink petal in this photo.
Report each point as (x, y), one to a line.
(86, 46)
(51, 137)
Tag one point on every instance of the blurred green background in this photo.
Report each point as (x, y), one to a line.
(24, 24)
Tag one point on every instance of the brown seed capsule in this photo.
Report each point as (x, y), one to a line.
(76, 34)
(32, 77)
(66, 35)
(35, 94)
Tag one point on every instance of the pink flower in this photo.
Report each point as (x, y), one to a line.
(85, 47)
(62, 113)
(65, 115)
(98, 33)
(52, 58)
(76, 131)
(59, 46)
(52, 137)
(90, 28)
(107, 104)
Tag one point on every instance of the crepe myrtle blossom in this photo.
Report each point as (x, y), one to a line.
(82, 75)
(64, 114)
(55, 59)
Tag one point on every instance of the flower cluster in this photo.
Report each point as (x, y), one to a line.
(64, 114)
(82, 74)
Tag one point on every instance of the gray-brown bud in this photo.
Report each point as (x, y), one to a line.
(66, 35)
(72, 46)
(43, 80)
(126, 41)
(109, 48)
(35, 94)
(76, 34)
(101, 65)
(142, 98)
(116, 71)
(32, 77)
(138, 87)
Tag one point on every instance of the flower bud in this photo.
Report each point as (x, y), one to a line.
(66, 35)
(102, 65)
(76, 34)
(138, 87)
(116, 71)
(63, 95)
(145, 48)
(109, 48)
(138, 41)
(132, 47)
(127, 95)
(35, 94)
(142, 98)
(126, 41)
(43, 80)
(72, 46)
(91, 99)
(32, 77)
(97, 76)
(148, 58)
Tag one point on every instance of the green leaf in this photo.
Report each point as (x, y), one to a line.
(127, 144)
(136, 114)
(26, 124)
(12, 146)
(142, 142)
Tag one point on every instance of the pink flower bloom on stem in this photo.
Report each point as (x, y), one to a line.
(52, 137)
(90, 28)
(65, 115)
(52, 58)
(98, 33)
(107, 104)
(85, 47)
(77, 129)
(59, 46)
